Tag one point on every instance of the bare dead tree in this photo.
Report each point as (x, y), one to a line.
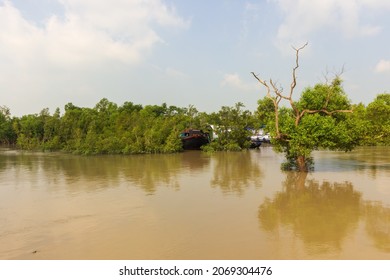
(277, 96)
(277, 92)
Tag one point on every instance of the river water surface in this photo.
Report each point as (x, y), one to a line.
(192, 205)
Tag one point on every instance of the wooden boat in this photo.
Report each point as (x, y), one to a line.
(193, 139)
(255, 142)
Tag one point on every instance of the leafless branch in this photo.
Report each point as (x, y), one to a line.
(294, 81)
(334, 73)
(275, 100)
(277, 91)
(294, 77)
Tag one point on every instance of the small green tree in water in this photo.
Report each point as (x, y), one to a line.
(317, 120)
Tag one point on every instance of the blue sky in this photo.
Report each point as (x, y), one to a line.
(193, 52)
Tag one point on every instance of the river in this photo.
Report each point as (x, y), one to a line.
(192, 205)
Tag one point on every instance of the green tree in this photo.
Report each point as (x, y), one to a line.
(75, 124)
(361, 124)
(7, 134)
(230, 126)
(30, 131)
(51, 136)
(316, 120)
(378, 117)
(265, 113)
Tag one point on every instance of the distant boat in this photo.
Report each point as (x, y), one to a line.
(255, 142)
(193, 139)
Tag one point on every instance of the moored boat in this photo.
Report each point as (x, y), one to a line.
(255, 142)
(193, 139)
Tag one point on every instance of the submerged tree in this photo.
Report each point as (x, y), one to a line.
(316, 120)
(378, 118)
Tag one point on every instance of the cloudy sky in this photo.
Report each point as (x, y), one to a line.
(195, 52)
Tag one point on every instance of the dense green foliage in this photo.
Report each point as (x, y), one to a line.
(7, 133)
(323, 118)
(128, 129)
(265, 113)
(321, 125)
(131, 129)
(231, 129)
(104, 129)
(376, 118)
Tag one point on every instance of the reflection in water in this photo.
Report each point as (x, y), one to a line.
(378, 224)
(235, 171)
(323, 215)
(192, 206)
(368, 159)
(232, 172)
(88, 173)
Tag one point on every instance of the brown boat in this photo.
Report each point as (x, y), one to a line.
(193, 139)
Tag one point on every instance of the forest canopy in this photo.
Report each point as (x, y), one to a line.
(133, 129)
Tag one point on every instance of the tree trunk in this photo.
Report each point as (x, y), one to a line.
(301, 164)
(295, 181)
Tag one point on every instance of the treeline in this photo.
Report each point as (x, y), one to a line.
(111, 129)
(132, 129)
(371, 123)
(374, 121)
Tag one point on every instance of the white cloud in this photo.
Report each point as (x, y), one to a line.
(304, 17)
(66, 52)
(171, 72)
(376, 4)
(383, 66)
(90, 31)
(251, 14)
(234, 80)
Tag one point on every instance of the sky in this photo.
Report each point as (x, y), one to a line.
(193, 52)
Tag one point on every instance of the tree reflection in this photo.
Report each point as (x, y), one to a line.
(323, 215)
(153, 171)
(91, 173)
(235, 171)
(378, 224)
(320, 214)
(149, 172)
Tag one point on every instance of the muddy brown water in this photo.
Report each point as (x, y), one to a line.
(193, 205)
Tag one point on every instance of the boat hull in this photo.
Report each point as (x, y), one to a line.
(194, 143)
(194, 139)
